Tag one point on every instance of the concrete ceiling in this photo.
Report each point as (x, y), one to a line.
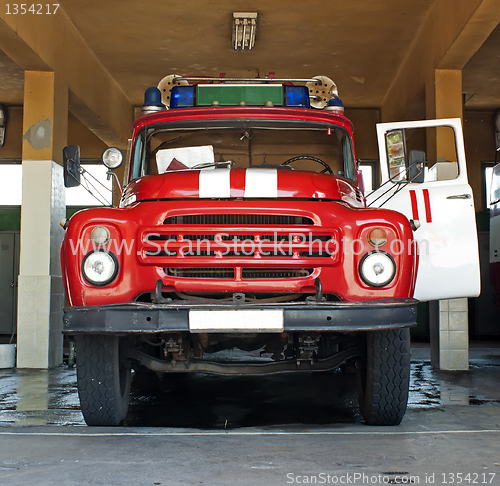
(360, 44)
(481, 75)
(11, 81)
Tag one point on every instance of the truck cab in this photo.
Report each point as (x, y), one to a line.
(243, 244)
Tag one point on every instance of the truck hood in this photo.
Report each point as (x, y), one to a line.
(241, 183)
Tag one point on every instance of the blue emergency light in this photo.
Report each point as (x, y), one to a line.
(182, 96)
(297, 96)
(152, 101)
(152, 97)
(335, 105)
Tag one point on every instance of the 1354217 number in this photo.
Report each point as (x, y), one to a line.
(470, 478)
(34, 8)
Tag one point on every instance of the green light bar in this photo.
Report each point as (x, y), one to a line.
(233, 94)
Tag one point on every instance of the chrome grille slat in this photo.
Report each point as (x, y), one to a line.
(239, 219)
(253, 274)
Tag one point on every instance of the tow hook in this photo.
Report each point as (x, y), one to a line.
(158, 297)
(318, 297)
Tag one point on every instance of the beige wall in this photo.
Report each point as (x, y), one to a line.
(91, 147)
(365, 134)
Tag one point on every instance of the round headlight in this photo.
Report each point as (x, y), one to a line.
(100, 235)
(99, 267)
(377, 268)
(112, 158)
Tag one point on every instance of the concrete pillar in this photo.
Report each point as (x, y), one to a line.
(40, 293)
(448, 318)
(449, 334)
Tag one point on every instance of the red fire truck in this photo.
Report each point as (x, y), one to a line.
(243, 228)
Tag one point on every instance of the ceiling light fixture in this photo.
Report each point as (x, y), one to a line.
(244, 27)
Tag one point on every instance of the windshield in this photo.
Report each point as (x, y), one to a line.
(315, 147)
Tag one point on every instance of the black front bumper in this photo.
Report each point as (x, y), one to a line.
(297, 316)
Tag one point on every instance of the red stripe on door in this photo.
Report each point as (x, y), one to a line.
(414, 205)
(427, 202)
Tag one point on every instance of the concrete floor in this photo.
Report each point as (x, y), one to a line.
(245, 431)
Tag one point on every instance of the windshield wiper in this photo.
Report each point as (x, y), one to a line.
(225, 163)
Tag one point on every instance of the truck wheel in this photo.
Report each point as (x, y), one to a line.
(384, 377)
(103, 381)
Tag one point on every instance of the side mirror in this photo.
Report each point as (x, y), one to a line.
(71, 163)
(416, 166)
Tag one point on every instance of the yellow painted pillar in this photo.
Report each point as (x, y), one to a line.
(449, 318)
(449, 104)
(40, 293)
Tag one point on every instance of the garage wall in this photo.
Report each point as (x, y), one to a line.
(479, 136)
(365, 134)
(91, 146)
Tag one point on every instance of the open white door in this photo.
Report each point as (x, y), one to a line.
(437, 197)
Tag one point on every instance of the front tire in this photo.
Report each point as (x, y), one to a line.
(103, 379)
(384, 377)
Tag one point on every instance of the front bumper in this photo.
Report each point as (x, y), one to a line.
(297, 316)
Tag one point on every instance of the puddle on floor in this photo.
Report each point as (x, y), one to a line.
(41, 397)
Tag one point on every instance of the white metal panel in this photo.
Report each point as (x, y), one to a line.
(261, 183)
(447, 237)
(495, 233)
(215, 183)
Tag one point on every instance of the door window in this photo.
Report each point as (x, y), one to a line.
(421, 154)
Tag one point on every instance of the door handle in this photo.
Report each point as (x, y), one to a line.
(460, 196)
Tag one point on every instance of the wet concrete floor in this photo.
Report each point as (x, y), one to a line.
(285, 429)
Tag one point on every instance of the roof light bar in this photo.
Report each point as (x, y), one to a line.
(180, 92)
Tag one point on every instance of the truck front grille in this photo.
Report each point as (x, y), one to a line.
(239, 247)
(246, 273)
